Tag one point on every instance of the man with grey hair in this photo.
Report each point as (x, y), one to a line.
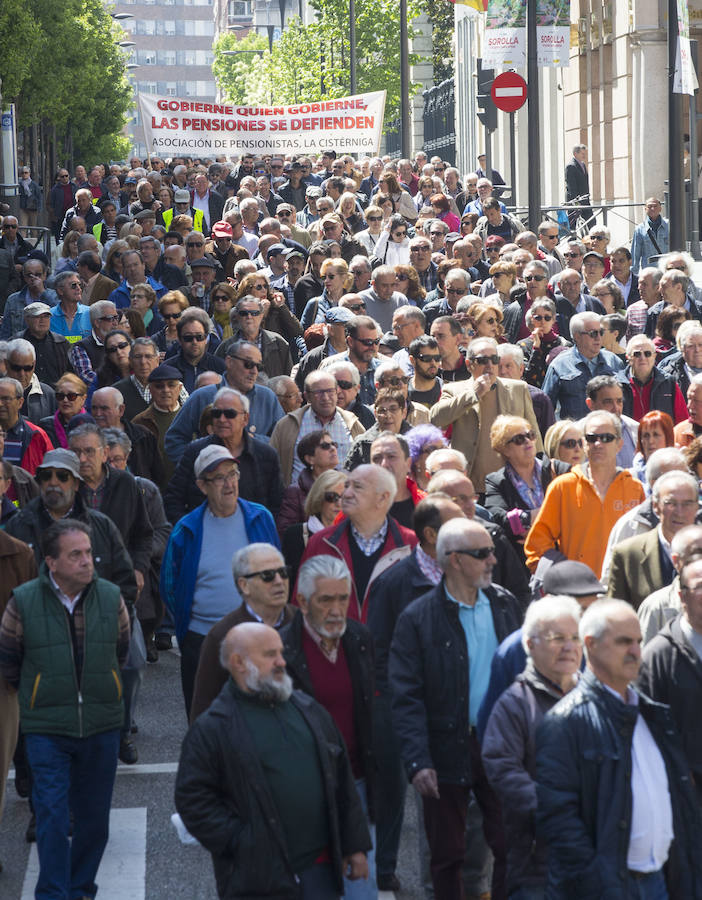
(88, 355)
(348, 390)
(262, 579)
(468, 617)
(676, 289)
(569, 373)
(39, 398)
(582, 506)
(686, 362)
(648, 283)
(553, 654)
(614, 801)
(51, 349)
(686, 432)
(257, 726)
(577, 187)
(381, 298)
(456, 286)
(642, 564)
(25, 443)
(651, 237)
(511, 365)
(368, 539)
(107, 409)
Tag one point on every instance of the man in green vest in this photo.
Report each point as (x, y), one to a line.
(182, 207)
(63, 638)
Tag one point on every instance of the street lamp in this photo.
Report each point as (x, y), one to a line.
(260, 53)
(118, 17)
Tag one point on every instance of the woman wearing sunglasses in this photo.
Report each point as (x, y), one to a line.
(116, 365)
(322, 506)
(170, 307)
(70, 401)
(564, 441)
(337, 281)
(543, 344)
(113, 261)
(514, 494)
(392, 248)
(645, 387)
(485, 319)
(317, 450)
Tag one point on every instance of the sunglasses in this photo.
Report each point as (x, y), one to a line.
(534, 278)
(484, 360)
(114, 318)
(637, 354)
(571, 443)
(115, 347)
(393, 381)
(542, 318)
(344, 386)
(268, 575)
(520, 439)
(217, 297)
(45, 475)
(68, 395)
(249, 312)
(249, 363)
(356, 307)
(16, 368)
(595, 333)
(400, 233)
(169, 316)
(478, 553)
(570, 255)
(332, 497)
(10, 226)
(374, 218)
(327, 445)
(189, 338)
(387, 410)
(260, 287)
(368, 342)
(227, 413)
(605, 438)
(429, 357)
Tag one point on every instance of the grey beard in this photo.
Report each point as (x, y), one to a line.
(268, 689)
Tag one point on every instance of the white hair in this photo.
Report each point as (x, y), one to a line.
(388, 366)
(513, 351)
(452, 536)
(542, 612)
(595, 620)
(240, 560)
(344, 366)
(666, 458)
(445, 453)
(320, 567)
(232, 392)
(21, 346)
(671, 478)
(577, 323)
(685, 332)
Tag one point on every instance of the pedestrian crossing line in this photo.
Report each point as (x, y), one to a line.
(122, 872)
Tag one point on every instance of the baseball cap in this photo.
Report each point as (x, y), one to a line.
(37, 309)
(574, 579)
(591, 254)
(274, 249)
(338, 315)
(294, 252)
(181, 196)
(313, 191)
(222, 229)
(203, 263)
(210, 458)
(494, 240)
(61, 459)
(165, 373)
(452, 237)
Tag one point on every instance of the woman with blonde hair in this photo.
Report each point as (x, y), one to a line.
(69, 252)
(564, 441)
(485, 319)
(389, 186)
(170, 307)
(337, 281)
(348, 210)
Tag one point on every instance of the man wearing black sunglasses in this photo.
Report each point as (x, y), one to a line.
(444, 765)
(425, 357)
(646, 387)
(39, 398)
(247, 323)
(472, 406)
(582, 506)
(193, 357)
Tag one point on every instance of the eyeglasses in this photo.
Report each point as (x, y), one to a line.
(332, 497)
(429, 357)
(248, 363)
(221, 480)
(387, 410)
(115, 347)
(561, 639)
(534, 278)
(323, 392)
(16, 368)
(637, 354)
(45, 475)
(400, 233)
(484, 360)
(571, 443)
(374, 218)
(195, 244)
(420, 249)
(571, 254)
(114, 318)
(520, 439)
(169, 316)
(595, 333)
(393, 380)
(458, 291)
(68, 395)
(327, 445)
(227, 413)
(478, 553)
(544, 318)
(368, 342)
(254, 313)
(189, 338)
(268, 575)
(344, 386)
(356, 307)
(605, 438)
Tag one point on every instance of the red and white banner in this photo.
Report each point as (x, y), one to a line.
(175, 126)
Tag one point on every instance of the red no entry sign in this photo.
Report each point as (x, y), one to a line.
(509, 91)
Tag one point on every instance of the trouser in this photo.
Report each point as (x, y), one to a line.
(364, 888)
(189, 658)
(650, 886)
(28, 217)
(9, 719)
(391, 788)
(445, 824)
(131, 683)
(318, 883)
(71, 775)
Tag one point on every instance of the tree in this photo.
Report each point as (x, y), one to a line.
(441, 16)
(242, 79)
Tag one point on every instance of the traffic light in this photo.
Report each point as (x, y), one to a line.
(488, 113)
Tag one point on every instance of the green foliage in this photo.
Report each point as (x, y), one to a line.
(73, 74)
(243, 78)
(441, 16)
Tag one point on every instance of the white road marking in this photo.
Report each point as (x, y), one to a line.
(122, 872)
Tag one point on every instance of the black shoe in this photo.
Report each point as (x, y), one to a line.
(134, 729)
(389, 882)
(128, 753)
(31, 832)
(152, 650)
(22, 782)
(162, 641)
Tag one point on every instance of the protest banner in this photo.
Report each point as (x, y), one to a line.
(175, 126)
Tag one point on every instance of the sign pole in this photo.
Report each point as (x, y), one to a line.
(534, 129)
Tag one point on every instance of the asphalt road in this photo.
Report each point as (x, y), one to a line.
(145, 858)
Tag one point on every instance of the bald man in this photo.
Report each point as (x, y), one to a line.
(237, 794)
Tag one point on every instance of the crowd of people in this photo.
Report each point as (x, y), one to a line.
(412, 489)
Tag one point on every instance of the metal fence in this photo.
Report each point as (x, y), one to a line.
(393, 138)
(439, 121)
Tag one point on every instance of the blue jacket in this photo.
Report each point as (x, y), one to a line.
(13, 316)
(567, 377)
(583, 782)
(182, 556)
(80, 328)
(121, 295)
(264, 412)
(642, 246)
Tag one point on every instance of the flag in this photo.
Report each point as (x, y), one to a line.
(479, 5)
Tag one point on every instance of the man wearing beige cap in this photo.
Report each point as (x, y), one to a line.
(197, 582)
(51, 349)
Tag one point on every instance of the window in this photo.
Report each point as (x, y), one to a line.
(239, 9)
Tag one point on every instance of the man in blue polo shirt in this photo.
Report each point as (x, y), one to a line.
(69, 317)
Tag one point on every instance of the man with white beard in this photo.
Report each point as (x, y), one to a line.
(260, 755)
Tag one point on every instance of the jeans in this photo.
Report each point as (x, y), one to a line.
(647, 887)
(364, 888)
(317, 883)
(71, 775)
(391, 788)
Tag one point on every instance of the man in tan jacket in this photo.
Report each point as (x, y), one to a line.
(320, 412)
(472, 406)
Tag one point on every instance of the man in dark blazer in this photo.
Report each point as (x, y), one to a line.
(578, 184)
(642, 564)
(215, 203)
